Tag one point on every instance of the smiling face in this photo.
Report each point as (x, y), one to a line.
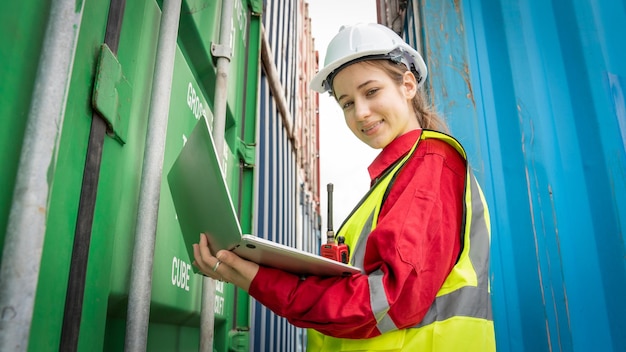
(376, 108)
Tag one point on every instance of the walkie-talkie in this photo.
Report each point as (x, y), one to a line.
(336, 251)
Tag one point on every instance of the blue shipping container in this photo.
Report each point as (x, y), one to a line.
(535, 92)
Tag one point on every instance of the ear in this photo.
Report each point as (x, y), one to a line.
(409, 83)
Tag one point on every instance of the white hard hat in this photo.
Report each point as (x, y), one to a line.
(366, 42)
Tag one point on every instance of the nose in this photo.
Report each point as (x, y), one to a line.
(361, 110)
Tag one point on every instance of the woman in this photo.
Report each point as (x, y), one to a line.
(421, 234)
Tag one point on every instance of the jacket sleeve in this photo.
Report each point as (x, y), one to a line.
(408, 256)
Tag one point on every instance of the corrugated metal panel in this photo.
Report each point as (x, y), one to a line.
(287, 207)
(535, 91)
(175, 295)
(307, 130)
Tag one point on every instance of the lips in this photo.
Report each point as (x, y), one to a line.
(370, 127)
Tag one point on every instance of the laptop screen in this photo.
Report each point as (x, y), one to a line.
(200, 194)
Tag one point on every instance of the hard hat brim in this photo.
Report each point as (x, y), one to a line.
(317, 83)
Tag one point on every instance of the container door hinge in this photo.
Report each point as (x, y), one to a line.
(246, 153)
(239, 340)
(112, 94)
(219, 50)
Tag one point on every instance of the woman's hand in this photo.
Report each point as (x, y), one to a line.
(225, 266)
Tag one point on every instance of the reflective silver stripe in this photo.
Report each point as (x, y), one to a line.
(378, 298)
(479, 234)
(386, 324)
(378, 302)
(468, 301)
(357, 254)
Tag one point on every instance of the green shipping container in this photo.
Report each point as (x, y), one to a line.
(77, 136)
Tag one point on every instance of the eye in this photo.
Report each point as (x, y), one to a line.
(372, 91)
(347, 104)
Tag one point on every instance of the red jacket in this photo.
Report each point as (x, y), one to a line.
(416, 243)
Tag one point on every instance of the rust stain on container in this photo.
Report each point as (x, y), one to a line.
(468, 82)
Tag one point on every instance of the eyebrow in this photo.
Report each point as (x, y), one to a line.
(358, 87)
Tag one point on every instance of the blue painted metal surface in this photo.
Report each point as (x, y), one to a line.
(275, 217)
(535, 92)
(286, 208)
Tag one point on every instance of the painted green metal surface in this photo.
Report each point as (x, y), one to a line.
(161, 337)
(65, 186)
(118, 87)
(248, 137)
(23, 25)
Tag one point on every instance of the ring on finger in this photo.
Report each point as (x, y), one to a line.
(216, 266)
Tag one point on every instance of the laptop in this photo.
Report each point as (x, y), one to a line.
(203, 205)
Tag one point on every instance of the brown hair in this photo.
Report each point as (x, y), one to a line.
(425, 113)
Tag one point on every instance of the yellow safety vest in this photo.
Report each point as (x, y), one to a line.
(460, 318)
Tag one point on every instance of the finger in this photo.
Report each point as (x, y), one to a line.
(199, 262)
(228, 257)
(234, 261)
(196, 250)
(223, 272)
(216, 274)
(216, 265)
(237, 270)
(205, 252)
(196, 256)
(203, 258)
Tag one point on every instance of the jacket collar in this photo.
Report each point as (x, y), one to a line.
(392, 152)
